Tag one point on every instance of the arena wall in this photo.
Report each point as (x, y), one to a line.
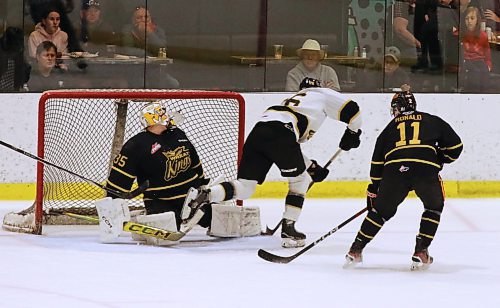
(474, 117)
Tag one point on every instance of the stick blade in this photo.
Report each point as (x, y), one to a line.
(268, 231)
(273, 258)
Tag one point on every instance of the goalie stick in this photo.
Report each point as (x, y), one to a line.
(142, 229)
(278, 259)
(270, 231)
(123, 195)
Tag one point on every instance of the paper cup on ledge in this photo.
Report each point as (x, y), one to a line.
(278, 51)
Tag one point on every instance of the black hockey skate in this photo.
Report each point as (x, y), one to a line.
(291, 238)
(354, 256)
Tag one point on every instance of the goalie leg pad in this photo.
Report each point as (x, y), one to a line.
(112, 213)
(133, 218)
(235, 221)
(164, 221)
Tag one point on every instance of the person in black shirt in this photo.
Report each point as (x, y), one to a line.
(408, 155)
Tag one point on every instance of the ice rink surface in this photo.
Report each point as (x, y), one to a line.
(68, 267)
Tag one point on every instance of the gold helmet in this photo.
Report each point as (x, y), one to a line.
(154, 113)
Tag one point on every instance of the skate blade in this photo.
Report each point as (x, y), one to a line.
(351, 263)
(419, 266)
(291, 243)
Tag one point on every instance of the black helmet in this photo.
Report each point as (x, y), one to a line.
(403, 102)
(309, 82)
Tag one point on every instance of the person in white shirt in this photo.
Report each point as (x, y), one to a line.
(276, 139)
(310, 65)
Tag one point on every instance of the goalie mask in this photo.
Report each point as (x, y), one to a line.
(309, 82)
(403, 102)
(154, 113)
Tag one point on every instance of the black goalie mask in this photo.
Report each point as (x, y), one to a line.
(403, 102)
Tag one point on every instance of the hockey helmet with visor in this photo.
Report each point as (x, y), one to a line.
(403, 102)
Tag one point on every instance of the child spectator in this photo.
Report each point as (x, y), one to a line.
(476, 53)
(394, 76)
(48, 30)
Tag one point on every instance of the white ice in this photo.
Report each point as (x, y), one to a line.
(68, 267)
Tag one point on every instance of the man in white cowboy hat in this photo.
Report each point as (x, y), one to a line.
(309, 66)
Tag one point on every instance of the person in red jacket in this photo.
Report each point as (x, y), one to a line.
(476, 53)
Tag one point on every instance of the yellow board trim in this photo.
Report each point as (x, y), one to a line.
(275, 190)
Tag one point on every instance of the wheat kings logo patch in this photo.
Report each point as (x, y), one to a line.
(178, 160)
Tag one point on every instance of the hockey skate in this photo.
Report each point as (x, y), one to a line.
(290, 237)
(421, 260)
(354, 256)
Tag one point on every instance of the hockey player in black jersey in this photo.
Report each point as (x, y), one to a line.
(163, 155)
(276, 139)
(408, 155)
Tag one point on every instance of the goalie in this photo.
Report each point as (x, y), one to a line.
(163, 155)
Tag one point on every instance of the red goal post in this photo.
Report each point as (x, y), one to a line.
(83, 130)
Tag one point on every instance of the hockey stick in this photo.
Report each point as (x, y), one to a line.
(133, 227)
(328, 163)
(142, 229)
(278, 259)
(124, 195)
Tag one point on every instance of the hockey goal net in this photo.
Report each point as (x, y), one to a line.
(82, 131)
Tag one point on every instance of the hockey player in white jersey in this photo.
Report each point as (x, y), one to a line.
(276, 139)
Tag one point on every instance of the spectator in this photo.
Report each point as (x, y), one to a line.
(426, 31)
(48, 30)
(394, 76)
(14, 71)
(476, 52)
(37, 9)
(309, 66)
(143, 35)
(95, 33)
(402, 27)
(493, 13)
(46, 75)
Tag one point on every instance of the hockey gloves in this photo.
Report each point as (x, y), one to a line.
(350, 139)
(371, 195)
(317, 173)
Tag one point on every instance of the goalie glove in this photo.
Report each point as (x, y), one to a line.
(350, 139)
(317, 173)
(371, 195)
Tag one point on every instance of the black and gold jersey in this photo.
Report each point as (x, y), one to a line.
(169, 161)
(417, 139)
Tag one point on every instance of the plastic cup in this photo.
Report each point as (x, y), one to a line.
(325, 49)
(278, 51)
(111, 50)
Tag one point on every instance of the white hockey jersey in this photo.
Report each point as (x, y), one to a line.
(308, 109)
